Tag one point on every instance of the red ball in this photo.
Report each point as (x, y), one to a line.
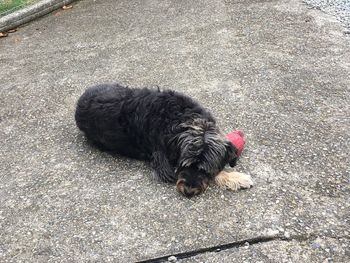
(237, 139)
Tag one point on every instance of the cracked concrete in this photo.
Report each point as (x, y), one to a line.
(275, 69)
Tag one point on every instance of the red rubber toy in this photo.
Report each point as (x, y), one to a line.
(237, 139)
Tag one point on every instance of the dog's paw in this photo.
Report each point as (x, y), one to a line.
(245, 181)
(233, 180)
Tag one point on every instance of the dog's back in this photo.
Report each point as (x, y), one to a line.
(93, 103)
(99, 114)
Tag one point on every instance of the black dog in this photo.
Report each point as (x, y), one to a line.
(177, 135)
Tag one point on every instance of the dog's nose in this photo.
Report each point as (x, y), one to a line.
(190, 192)
(185, 189)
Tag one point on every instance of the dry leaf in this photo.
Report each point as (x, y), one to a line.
(12, 30)
(3, 34)
(65, 7)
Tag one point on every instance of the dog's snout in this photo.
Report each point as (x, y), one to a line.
(188, 190)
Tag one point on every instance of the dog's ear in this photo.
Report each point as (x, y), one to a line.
(231, 154)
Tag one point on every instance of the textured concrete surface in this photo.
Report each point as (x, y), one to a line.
(338, 8)
(276, 69)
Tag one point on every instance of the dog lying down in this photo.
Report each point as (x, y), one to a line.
(174, 133)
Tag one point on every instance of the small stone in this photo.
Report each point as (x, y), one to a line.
(315, 245)
(272, 232)
(286, 235)
(172, 259)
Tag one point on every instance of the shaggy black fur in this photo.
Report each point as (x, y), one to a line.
(177, 135)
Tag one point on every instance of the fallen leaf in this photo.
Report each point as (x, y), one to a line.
(12, 30)
(65, 7)
(3, 34)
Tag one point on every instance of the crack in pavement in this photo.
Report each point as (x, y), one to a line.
(217, 248)
(239, 243)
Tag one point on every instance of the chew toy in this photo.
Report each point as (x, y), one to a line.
(237, 139)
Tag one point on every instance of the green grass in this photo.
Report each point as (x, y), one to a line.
(7, 6)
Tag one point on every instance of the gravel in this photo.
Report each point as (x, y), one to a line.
(338, 8)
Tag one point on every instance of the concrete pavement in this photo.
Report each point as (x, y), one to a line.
(275, 69)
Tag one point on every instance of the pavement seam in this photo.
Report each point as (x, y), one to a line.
(239, 243)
